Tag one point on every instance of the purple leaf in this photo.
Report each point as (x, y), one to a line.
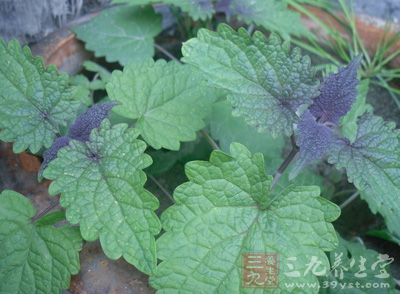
(80, 130)
(314, 140)
(51, 153)
(338, 92)
(223, 6)
(89, 120)
(205, 5)
(168, 18)
(235, 7)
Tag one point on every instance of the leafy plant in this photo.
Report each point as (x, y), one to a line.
(122, 34)
(104, 193)
(267, 93)
(273, 15)
(259, 191)
(198, 9)
(227, 209)
(316, 134)
(228, 129)
(275, 109)
(345, 42)
(35, 256)
(372, 164)
(168, 101)
(80, 130)
(36, 102)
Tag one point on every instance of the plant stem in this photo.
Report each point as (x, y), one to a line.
(281, 169)
(166, 52)
(210, 140)
(349, 200)
(397, 282)
(53, 204)
(251, 28)
(359, 240)
(385, 85)
(161, 187)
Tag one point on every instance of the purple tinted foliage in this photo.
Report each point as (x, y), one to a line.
(168, 19)
(242, 8)
(314, 138)
(51, 153)
(205, 5)
(338, 92)
(80, 130)
(223, 6)
(89, 120)
(234, 7)
(315, 134)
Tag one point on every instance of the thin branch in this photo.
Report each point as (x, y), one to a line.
(251, 28)
(349, 200)
(281, 169)
(210, 140)
(359, 240)
(53, 204)
(397, 282)
(166, 52)
(161, 187)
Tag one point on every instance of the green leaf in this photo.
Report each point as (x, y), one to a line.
(98, 69)
(273, 15)
(197, 9)
(228, 129)
(51, 218)
(266, 82)
(35, 101)
(383, 234)
(164, 160)
(34, 259)
(308, 176)
(101, 185)
(169, 101)
(226, 210)
(82, 88)
(372, 163)
(350, 254)
(99, 81)
(348, 123)
(123, 34)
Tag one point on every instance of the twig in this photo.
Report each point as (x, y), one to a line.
(349, 200)
(161, 187)
(210, 140)
(166, 52)
(53, 204)
(359, 240)
(281, 169)
(95, 77)
(251, 28)
(397, 282)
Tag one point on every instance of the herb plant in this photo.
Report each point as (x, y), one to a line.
(345, 41)
(250, 93)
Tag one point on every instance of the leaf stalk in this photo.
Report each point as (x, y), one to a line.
(281, 169)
